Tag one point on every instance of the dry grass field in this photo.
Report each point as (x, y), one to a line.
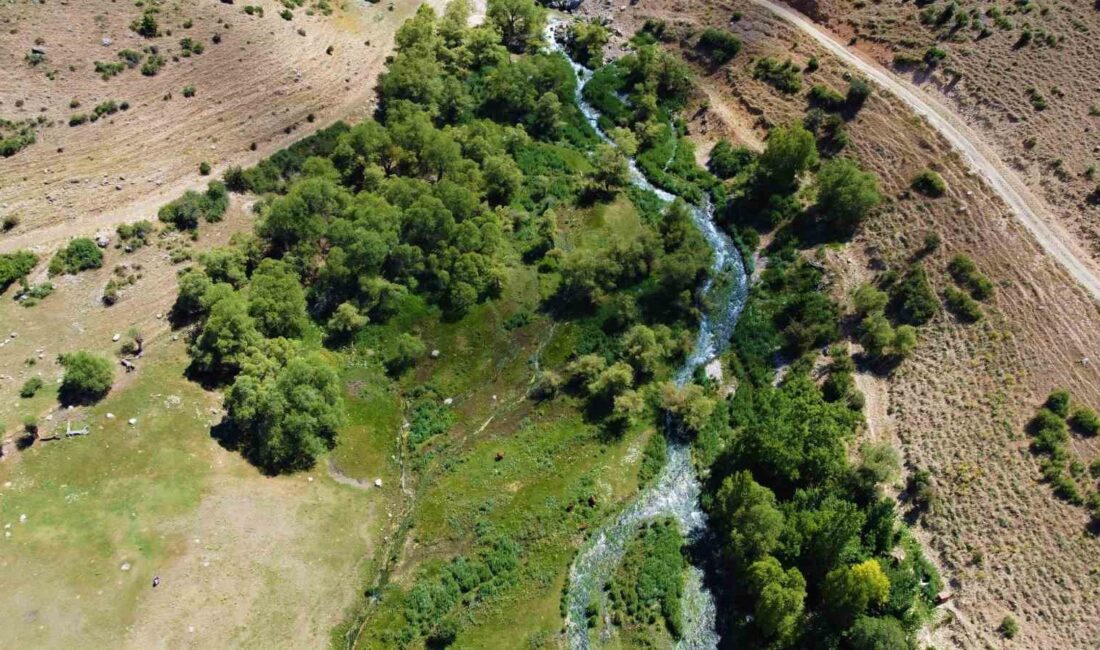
(269, 81)
(995, 79)
(1006, 545)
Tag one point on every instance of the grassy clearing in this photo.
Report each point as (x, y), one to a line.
(142, 495)
(94, 503)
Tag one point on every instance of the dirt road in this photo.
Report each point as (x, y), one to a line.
(1028, 209)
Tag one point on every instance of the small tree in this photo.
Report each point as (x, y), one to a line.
(345, 322)
(1009, 628)
(87, 378)
(718, 45)
(845, 194)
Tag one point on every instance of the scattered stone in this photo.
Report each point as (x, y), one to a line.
(103, 241)
(125, 566)
(106, 41)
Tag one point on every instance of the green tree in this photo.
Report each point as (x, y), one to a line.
(746, 513)
(610, 171)
(276, 300)
(873, 633)
(868, 300)
(586, 40)
(520, 22)
(345, 322)
(726, 161)
(193, 285)
(87, 378)
(848, 591)
(642, 349)
(546, 118)
(780, 597)
(789, 152)
(503, 179)
(845, 194)
(226, 338)
(289, 417)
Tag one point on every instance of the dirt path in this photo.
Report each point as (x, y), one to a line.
(1030, 211)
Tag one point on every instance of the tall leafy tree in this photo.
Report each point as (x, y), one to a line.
(288, 417)
(520, 22)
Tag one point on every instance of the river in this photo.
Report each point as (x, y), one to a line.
(675, 492)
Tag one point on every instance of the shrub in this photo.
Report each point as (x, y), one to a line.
(785, 77)
(204, 168)
(81, 254)
(184, 213)
(826, 97)
(1086, 421)
(718, 45)
(934, 55)
(962, 305)
(146, 25)
(87, 378)
(152, 65)
(858, 92)
(1009, 628)
(929, 183)
(1048, 431)
(1058, 402)
(726, 161)
(30, 387)
(14, 266)
(188, 90)
(966, 274)
(913, 299)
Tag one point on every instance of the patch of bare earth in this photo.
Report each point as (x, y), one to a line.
(958, 407)
(266, 563)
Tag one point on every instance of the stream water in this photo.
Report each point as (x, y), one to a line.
(675, 492)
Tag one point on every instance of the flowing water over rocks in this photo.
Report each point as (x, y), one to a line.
(675, 493)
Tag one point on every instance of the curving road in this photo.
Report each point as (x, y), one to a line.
(1029, 209)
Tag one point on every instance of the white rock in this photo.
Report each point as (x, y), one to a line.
(110, 416)
(132, 421)
(116, 337)
(125, 566)
(435, 353)
(449, 401)
(23, 518)
(377, 482)
(106, 41)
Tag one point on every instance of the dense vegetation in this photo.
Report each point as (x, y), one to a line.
(474, 171)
